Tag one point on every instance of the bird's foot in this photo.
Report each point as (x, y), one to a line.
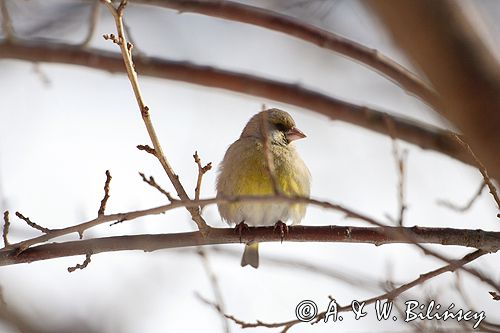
(240, 228)
(282, 228)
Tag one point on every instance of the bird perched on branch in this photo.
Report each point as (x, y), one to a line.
(263, 162)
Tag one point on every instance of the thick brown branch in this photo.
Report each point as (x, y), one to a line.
(275, 21)
(486, 241)
(440, 38)
(423, 135)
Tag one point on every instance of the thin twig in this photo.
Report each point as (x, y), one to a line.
(151, 182)
(242, 323)
(451, 267)
(33, 224)
(125, 48)
(468, 302)
(421, 134)
(390, 295)
(482, 169)
(465, 207)
(94, 18)
(147, 149)
(201, 171)
(83, 265)
(495, 295)
(215, 287)
(104, 200)
(268, 156)
(40, 73)
(399, 158)
(6, 228)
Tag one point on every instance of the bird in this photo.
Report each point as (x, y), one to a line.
(245, 171)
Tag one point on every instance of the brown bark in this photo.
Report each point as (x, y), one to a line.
(423, 135)
(487, 241)
(440, 39)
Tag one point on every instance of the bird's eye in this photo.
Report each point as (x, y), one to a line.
(281, 127)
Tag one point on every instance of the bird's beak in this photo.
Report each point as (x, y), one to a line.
(294, 134)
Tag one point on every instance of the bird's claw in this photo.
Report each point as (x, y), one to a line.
(240, 228)
(282, 228)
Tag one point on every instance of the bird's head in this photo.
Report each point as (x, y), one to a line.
(280, 127)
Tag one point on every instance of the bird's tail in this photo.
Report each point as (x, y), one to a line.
(251, 255)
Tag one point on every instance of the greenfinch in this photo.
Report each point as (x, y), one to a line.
(245, 171)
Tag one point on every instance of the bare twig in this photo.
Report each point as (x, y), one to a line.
(465, 207)
(126, 48)
(40, 73)
(264, 132)
(242, 323)
(33, 224)
(104, 200)
(6, 226)
(390, 295)
(399, 158)
(83, 265)
(482, 169)
(455, 264)
(231, 10)
(461, 289)
(147, 149)
(201, 171)
(94, 18)
(215, 287)
(151, 182)
(423, 135)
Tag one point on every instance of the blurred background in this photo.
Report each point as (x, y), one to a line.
(62, 126)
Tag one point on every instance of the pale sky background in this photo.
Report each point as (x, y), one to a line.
(60, 130)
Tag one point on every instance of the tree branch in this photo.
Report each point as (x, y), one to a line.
(442, 40)
(261, 17)
(423, 135)
(483, 240)
(126, 51)
(390, 295)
